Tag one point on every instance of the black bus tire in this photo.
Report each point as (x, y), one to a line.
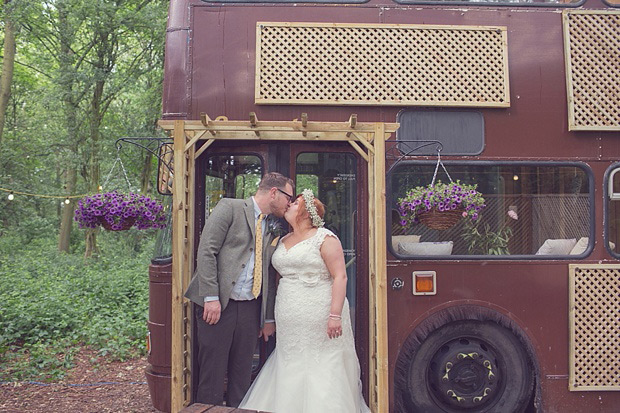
(470, 366)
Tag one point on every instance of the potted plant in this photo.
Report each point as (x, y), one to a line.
(440, 206)
(481, 239)
(116, 212)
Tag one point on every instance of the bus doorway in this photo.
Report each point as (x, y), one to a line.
(335, 173)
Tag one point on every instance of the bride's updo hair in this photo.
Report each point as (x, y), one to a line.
(302, 212)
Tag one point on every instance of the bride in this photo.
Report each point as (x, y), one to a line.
(314, 368)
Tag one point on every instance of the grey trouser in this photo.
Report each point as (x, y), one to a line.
(227, 347)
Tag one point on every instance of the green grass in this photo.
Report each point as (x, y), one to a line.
(53, 303)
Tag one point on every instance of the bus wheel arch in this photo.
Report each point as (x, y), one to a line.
(493, 369)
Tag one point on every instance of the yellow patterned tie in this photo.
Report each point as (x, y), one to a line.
(258, 257)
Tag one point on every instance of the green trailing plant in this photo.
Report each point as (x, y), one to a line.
(483, 240)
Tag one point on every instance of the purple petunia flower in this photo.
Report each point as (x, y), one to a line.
(118, 211)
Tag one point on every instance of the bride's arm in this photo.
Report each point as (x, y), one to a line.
(331, 252)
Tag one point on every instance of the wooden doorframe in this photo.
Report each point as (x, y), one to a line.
(362, 136)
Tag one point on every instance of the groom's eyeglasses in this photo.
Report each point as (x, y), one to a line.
(288, 196)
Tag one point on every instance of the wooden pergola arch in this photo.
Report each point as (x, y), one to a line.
(367, 138)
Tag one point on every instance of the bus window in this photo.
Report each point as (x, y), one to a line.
(231, 176)
(613, 210)
(333, 178)
(547, 3)
(535, 210)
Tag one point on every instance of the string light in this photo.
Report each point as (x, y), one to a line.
(66, 198)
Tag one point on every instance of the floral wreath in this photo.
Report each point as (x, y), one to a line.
(308, 196)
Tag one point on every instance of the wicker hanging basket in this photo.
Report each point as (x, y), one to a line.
(440, 220)
(125, 225)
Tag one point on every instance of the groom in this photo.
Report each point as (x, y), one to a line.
(234, 297)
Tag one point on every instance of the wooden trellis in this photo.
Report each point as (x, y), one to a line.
(591, 44)
(368, 139)
(594, 327)
(381, 64)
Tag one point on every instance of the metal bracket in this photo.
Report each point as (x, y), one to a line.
(410, 146)
(146, 143)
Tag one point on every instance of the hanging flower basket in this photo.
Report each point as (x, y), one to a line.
(440, 206)
(440, 220)
(120, 226)
(119, 212)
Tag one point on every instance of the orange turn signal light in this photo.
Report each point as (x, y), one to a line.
(424, 283)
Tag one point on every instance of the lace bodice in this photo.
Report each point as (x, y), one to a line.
(304, 298)
(303, 260)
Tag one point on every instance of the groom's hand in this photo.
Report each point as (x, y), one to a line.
(212, 312)
(267, 331)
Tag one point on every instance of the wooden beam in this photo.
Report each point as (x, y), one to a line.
(304, 124)
(203, 148)
(364, 142)
(372, 316)
(254, 122)
(359, 150)
(352, 122)
(188, 266)
(383, 392)
(204, 119)
(278, 126)
(194, 140)
(178, 230)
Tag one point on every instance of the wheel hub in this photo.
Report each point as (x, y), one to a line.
(464, 375)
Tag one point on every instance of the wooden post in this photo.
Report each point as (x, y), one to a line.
(189, 193)
(178, 246)
(379, 217)
(372, 319)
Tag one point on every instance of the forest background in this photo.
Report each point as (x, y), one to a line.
(76, 76)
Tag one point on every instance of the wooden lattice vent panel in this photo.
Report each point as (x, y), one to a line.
(591, 48)
(357, 64)
(594, 327)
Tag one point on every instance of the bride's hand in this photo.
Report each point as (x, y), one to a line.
(334, 328)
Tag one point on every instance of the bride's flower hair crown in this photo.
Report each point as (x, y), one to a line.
(308, 196)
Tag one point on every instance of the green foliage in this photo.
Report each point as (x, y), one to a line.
(481, 239)
(53, 302)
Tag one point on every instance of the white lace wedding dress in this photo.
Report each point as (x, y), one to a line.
(308, 372)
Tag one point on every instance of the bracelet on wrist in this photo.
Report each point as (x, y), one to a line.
(335, 316)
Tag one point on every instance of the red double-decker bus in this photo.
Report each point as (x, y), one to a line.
(362, 101)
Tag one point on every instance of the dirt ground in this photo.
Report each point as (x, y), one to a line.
(93, 385)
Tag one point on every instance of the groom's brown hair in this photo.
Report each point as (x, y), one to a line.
(274, 180)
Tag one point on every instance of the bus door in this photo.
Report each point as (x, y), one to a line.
(336, 175)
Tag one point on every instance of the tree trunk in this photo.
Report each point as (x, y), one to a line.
(8, 63)
(70, 110)
(66, 221)
(95, 119)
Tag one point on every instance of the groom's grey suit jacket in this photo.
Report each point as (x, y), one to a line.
(226, 243)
